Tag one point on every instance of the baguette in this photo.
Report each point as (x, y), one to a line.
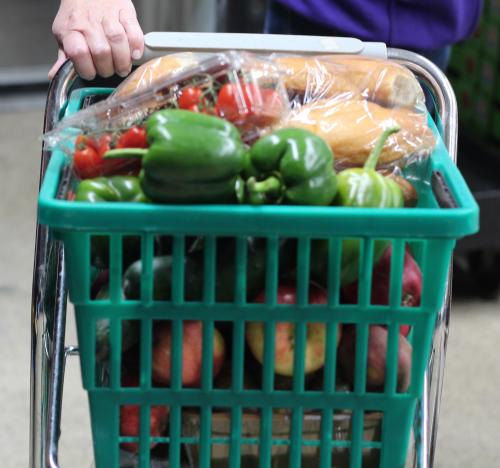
(353, 77)
(387, 83)
(351, 128)
(315, 79)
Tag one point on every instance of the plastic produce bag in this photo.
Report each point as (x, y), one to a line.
(346, 100)
(245, 89)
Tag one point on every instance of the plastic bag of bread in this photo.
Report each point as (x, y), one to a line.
(309, 79)
(242, 88)
(350, 77)
(352, 127)
(349, 100)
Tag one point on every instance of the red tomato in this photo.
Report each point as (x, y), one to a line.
(82, 141)
(104, 144)
(86, 162)
(249, 103)
(89, 162)
(190, 98)
(134, 137)
(236, 101)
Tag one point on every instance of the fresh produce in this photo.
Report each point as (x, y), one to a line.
(130, 331)
(134, 137)
(225, 282)
(285, 335)
(351, 127)
(381, 283)
(130, 417)
(89, 162)
(192, 347)
(358, 188)
(192, 158)
(247, 104)
(130, 334)
(365, 187)
(410, 194)
(162, 279)
(349, 265)
(110, 189)
(376, 358)
(191, 98)
(292, 166)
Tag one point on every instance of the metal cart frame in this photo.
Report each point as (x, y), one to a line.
(49, 295)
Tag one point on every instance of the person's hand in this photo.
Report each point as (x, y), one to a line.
(98, 36)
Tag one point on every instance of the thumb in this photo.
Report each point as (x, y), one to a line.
(61, 58)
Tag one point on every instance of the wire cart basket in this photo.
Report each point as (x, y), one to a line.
(50, 283)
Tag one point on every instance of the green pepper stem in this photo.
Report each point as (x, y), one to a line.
(270, 189)
(371, 162)
(125, 153)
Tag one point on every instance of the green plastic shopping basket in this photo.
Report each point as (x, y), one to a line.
(327, 425)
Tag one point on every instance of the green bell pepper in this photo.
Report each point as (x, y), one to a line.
(192, 158)
(364, 187)
(110, 189)
(349, 264)
(292, 166)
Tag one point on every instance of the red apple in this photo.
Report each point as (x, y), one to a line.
(381, 277)
(285, 335)
(192, 348)
(376, 358)
(130, 418)
(130, 423)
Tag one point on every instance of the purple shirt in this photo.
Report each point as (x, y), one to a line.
(421, 24)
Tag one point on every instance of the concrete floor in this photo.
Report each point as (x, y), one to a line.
(470, 420)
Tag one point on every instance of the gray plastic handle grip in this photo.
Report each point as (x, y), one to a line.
(161, 43)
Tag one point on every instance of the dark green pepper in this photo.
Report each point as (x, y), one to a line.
(364, 187)
(192, 158)
(193, 272)
(292, 166)
(110, 189)
(349, 266)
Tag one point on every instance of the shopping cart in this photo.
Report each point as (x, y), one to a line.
(49, 349)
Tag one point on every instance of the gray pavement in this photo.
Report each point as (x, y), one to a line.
(470, 420)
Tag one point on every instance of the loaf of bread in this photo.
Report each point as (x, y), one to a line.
(154, 70)
(351, 128)
(385, 82)
(351, 77)
(315, 79)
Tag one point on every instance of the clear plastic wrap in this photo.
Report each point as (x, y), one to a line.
(245, 89)
(352, 127)
(347, 100)
(350, 77)
(160, 68)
